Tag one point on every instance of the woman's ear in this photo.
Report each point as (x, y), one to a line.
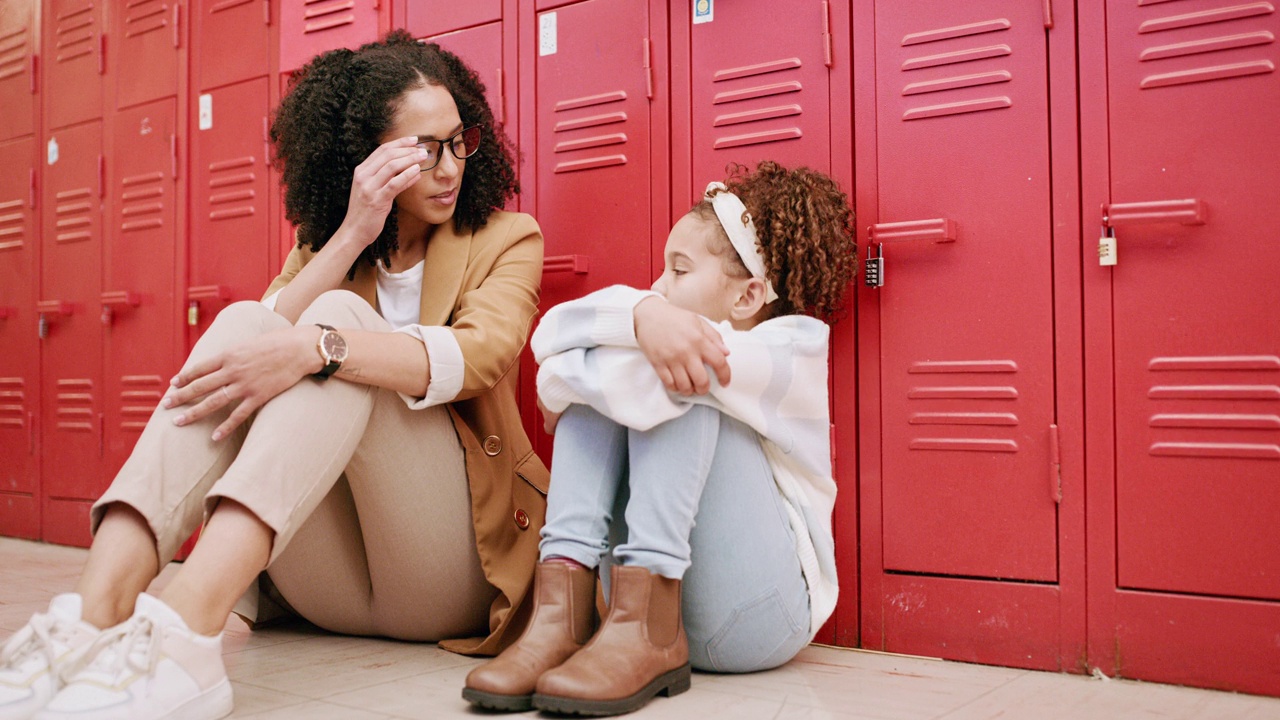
(750, 299)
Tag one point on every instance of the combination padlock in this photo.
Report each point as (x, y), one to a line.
(873, 268)
(1107, 246)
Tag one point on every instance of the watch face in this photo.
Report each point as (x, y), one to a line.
(335, 346)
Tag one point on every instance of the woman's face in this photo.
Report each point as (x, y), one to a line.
(429, 111)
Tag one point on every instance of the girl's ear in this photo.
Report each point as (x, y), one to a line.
(750, 299)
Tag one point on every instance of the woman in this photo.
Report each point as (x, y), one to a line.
(355, 434)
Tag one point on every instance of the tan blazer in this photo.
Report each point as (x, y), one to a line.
(484, 286)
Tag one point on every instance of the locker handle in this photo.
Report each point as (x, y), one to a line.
(54, 307)
(577, 264)
(939, 230)
(1189, 211)
(208, 292)
(121, 297)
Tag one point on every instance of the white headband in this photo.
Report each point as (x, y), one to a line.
(742, 233)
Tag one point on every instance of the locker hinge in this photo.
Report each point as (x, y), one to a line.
(102, 176)
(173, 155)
(1055, 464)
(31, 433)
(648, 68)
(1048, 14)
(35, 72)
(102, 54)
(828, 52)
(177, 36)
(502, 99)
(33, 187)
(102, 435)
(266, 12)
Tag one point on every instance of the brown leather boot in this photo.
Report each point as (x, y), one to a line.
(563, 619)
(640, 651)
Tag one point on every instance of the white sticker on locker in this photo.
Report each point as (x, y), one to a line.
(704, 11)
(547, 34)
(53, 150)
(206, 111)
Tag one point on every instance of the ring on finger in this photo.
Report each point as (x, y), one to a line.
(226, 394)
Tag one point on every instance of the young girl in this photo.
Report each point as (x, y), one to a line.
(728, 489)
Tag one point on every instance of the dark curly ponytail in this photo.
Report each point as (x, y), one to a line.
(343, 101)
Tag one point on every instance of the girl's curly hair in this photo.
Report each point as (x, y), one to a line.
(337, 107)
(805, 226)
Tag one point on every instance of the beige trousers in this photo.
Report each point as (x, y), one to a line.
(368, 499)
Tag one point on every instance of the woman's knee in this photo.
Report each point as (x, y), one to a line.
(245, 313)
(342, 308)
(757, 634)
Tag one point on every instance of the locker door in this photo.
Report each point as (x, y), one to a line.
(766, 99)
(137, 304)
(423, 18)
(966, 313)
(20, 363)
(592, 150)
(481, 49)
(308, 27)
(232, 42)
(17, 68)
(145, 35)
(71, 352)
(1195, 163)
(74, 61)
(229, 248)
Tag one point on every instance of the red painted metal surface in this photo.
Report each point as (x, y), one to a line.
(137, 304)
(230, 42)
(147, 39)
(423, 18)
(17, 68)
(481, 49)
(228, 255)
(74, 61)
(309, 27)
(1184, 392)
(20, 363)
(72, 402)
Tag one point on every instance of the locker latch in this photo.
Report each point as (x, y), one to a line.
(873, 268)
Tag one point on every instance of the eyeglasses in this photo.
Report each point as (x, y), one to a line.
(463, 145)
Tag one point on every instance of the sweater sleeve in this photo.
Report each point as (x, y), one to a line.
(602, 318)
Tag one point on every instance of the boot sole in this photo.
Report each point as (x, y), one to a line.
(668, 684)
(494, 701)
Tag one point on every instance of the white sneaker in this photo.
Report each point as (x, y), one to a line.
(31, 660)
(149, 667)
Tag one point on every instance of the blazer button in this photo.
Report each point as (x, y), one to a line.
(492, 445)
(522, 520)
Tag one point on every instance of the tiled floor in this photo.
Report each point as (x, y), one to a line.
(301, 672)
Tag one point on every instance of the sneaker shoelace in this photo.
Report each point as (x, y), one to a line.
(133, 645)
(38, 637)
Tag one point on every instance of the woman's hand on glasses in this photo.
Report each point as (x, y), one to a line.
(387, 172)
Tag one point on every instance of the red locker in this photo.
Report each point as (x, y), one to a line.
(70, 312)
(593, 181)
(481, 48)
(423, 18)
(73, 61)
(20, 363)
(17, 68)
(1184, 339)
(230, 41)
(137, 302)
(146, 37)
(229, 253)
(308, 27)
(961, 490)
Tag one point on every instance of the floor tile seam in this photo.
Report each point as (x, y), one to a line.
(980, 696)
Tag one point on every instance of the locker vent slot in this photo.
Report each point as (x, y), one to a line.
(143, 202)
(748, 119)
(138, 400)
(13, 226)
(144, 16)
(939, 409)
(322, 15)
(1234, 39)
(74, 34)
(75, 405)
(73, 209)
(227, 5)
(948, 81)
(241, 200)
(611, 140)
(1219, 420)
(13, 403)
(14, 51)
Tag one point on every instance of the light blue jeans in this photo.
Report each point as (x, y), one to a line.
(692, 498)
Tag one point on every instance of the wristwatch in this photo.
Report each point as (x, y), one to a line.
(333, 350)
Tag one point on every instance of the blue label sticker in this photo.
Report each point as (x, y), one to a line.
(704, 11)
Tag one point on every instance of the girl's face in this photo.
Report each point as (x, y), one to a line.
(431, 112)
(693, 278)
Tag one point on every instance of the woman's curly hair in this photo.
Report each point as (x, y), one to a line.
(343, 101)
(805, 226)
